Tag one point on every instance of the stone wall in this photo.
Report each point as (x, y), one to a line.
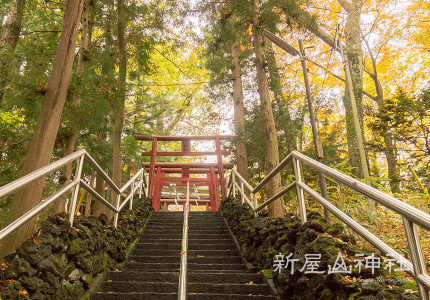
(261, 238)
(63, 262)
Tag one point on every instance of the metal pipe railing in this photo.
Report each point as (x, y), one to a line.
(132, 180)
(272, 174)
(102, 173)
(34, 211)
(276, 196)
(182, 286)
(137, 183)
(22, 182)
(411, 215)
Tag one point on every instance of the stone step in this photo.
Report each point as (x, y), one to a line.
(159, 246)
(227, 245)
(200, 246)
(191, 259)
(190, 225)
(193, 276)
(181, 217)
(174, 296)
(191, 235)
(222, 266)
(174, 266)
(156, 230)
(191, 241)
(170, 252)
(171, 266)
(213, 288)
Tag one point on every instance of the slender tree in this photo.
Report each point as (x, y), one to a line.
(72, 135)
(118, 108)
(276, 209)
(285, 122)
(354, 55)
(9, 40)
(47, 125)
(390, 148)
(239, 115)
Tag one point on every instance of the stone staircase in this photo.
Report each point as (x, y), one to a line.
(215, 268)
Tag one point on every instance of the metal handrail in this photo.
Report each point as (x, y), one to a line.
(182, 286)
(20, 183)
(138, 183)
(411, 215)
(231, 185)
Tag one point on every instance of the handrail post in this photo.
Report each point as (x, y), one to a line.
(132, 192)
(300, 195)
(118, 200)
(416, 255)
(254, 195)
(141, 185)
(242, 192)
(75, 191)
(182, 287)
(233, 186)
(145, 182)
(227, 183)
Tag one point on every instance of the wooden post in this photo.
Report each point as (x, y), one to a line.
(152, 166)
(220, 166)
(157, 190)
(215, 196)
(211, 190)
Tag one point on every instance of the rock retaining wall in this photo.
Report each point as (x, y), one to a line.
(62, 262)
(261, 238)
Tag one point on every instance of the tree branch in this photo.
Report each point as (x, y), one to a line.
(345, 4)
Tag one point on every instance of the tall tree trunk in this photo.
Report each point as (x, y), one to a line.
(239, 115)
(390, 148)
(9, 40)
(276, 87)
(118, 114)
(47, 125)
(276, 209)
(73, 134)
(354, 56)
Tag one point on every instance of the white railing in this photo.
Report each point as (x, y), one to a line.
(412, 217)
(182, 286)
(137, 183)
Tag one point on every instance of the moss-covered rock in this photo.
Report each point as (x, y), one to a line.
(61, 262)
(261, 238)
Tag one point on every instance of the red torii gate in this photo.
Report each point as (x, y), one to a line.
(214, 171)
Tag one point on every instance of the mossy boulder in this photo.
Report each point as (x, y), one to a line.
(261, 238)
(61, 262)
